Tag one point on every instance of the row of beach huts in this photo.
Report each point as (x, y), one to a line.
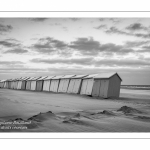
(104, 85)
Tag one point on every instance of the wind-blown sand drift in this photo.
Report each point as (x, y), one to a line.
(24, 111)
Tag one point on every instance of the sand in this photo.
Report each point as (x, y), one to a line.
(26, 111)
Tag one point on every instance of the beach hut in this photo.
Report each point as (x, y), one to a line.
(64, 82)
(2, 83)
(20, 83)
(33, 83)
(28, 83)
(47, 83)
(15, 83)
(24, 81)
(87, 83)
(12, 82)
(39, 83)
(55, 83)
(102, 85)
(75, 84)
(9, 83)
(5, 84)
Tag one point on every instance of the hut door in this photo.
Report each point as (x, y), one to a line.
(65, 87)
(52, 85)
(77, 86)
(96, 88)
(104, 88)
(89, 87)
(83, 87)
(71, 85)
(60, 89)
(56, 85)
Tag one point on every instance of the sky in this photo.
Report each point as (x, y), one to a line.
(62, 46)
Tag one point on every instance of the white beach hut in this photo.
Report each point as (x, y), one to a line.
(13, 81)
(47, 83)
(9, 83)
(64, 83)
(23, 84)
(55, 83)
(5, 84)
(12, 84)
(2, 83)
(33, 83)
(20, 83)
(87, 84)
(102, 85)
(75, 84)
(16, 83)
(39, 83)
(28, 83)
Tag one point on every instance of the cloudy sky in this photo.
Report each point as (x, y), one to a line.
(53, 46)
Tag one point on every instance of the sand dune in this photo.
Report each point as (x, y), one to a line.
(50, 112)
(91, 122)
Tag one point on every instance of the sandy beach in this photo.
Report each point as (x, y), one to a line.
(26, 111)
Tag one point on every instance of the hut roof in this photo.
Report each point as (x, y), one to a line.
(104, 76)
(26, 78)
(90, 76)
(2, 80)
(20, 78)
(42, 78)
(23, 78)
(35, 78)
(67, 76)
(49, 77)
(58, 77)
(79, 76)
(11, 80)
(31, 78)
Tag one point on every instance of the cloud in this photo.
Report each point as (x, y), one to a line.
(114, 20)
(142, 35)
(38, 19)
(74, 19)
(5, 28)
(114, 30)
(86, 45)
(9, 43)
(117, 31)
(107, 62)
(135, 43)
(10, 62)
(122, 63)
(136, 27)
(113, 48)
(48, 45)
(21, 69)
(17, 51)
(78, 61)
(103, 26)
